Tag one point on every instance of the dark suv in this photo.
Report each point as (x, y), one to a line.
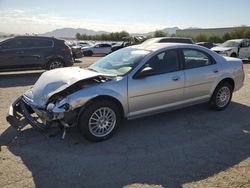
(34, 52)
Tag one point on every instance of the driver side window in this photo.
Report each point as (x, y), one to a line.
(12, 44)
(164, 62)
(245, 44)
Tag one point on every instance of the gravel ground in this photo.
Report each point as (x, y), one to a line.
(191, 147)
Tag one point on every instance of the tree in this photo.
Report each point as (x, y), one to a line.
(215, 39)
(240, 32)
(78, 36)
(201, 38)
(226, 36)
(124, 34)
(159, 33)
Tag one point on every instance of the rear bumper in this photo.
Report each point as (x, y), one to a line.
(69, 62)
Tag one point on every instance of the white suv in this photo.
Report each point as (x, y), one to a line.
(234, 48)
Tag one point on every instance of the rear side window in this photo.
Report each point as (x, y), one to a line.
(42, 43)
(104, 45)
(195, 58)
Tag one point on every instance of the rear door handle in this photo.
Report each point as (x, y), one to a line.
(176, 78)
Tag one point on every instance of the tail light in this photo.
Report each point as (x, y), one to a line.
(67, 49)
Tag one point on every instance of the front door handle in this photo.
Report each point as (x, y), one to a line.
(176, 78)
(20, 52)
(215, 70)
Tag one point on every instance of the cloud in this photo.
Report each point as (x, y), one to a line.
(36, 21)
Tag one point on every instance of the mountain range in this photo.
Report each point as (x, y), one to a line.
(71, 32)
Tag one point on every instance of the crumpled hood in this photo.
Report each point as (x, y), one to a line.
(54, 81)
(221, 49)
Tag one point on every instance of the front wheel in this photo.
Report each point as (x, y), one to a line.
(100, 120)
(233, 55)
(88, 53)
(222, 96)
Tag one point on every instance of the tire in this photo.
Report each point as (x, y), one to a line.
(54, 63)
(101, 128)
(90, 53)
(222, 96)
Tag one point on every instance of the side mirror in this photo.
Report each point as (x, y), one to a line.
(146, 71)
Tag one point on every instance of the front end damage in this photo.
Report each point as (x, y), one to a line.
(22, 113)
(44, 106)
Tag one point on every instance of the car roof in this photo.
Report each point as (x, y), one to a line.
(159, 39)
(204, 43)
(238, 40)
(36, 37)
(157, 46)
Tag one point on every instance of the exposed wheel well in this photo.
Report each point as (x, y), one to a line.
(233, 54)
(228, 80)
(109, 98)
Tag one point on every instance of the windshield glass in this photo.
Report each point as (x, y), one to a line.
(120, 62)
(230, 44)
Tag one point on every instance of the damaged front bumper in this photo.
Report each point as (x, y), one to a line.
(19, 115)
(22, 113)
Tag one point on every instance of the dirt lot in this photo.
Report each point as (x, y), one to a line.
(192, 147)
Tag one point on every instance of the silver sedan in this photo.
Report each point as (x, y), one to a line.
(129, 83)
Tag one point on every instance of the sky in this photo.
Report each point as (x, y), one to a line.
(30, 16)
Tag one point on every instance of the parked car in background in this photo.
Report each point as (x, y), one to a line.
(85, 44)
(34, 52)
(169, 40)
(132, 82)
(208, 45)
(98, 49)
(76, 51)
(119, 46)
(234, 48)
(128, 41)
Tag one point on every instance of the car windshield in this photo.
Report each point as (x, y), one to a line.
(120, 62)
(230, 44)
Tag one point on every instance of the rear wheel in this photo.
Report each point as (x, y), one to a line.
(100, 120)
(222, 96)
(55, 63)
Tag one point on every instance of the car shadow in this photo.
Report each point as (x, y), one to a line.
(77, 61)
(20, 79)
(246, 61)
(168, 149)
